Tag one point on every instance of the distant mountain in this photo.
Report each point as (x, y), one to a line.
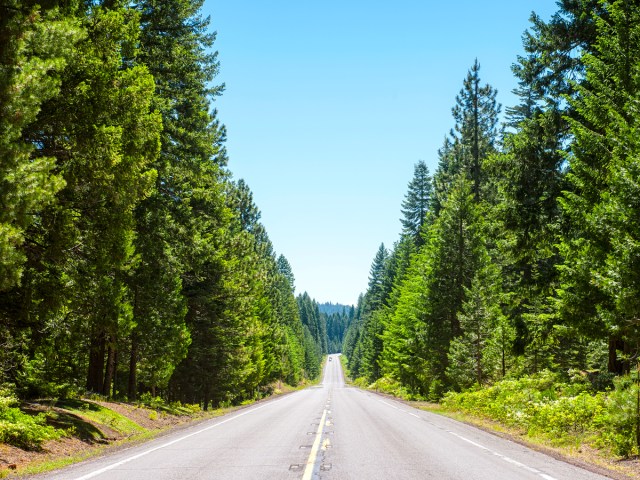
(330, 308)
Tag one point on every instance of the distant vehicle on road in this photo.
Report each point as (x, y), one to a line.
(330, 358)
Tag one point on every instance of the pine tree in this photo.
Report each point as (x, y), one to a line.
(476, 128)
(36, 44)
(483, 350)
(315, 334)
(374, 298)
(530, 171)
(425, 318)
(415, 205)
(103, 136)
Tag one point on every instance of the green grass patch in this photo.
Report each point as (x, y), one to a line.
(102, 416)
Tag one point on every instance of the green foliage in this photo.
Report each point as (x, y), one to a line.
(620, 418)
(161, 405)
(479, 354)
(33, 382)
(600, 287)
(393, 387)
(37, 44)
(315, 334)
(563, 413)
(337, 325)
(22, 430)
(130, 263)
(415, 205)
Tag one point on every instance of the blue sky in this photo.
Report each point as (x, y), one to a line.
(328, 106)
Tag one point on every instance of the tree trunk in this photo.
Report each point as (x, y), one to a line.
(108, 374)
(96, 362)
(132, 385)
(206, 399)
(615, 364)
(114, 389)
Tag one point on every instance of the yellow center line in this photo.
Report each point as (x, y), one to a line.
(308, 471)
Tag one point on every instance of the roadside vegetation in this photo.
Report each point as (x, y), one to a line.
(564, 413)
(21, 429)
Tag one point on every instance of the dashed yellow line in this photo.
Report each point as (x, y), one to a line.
(311, 461)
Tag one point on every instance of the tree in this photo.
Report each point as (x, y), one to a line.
(480, 354)
(173, 48)
(36, 44)
(599, 288)
(416, 203)
(476, 129)
(530, 170)
(425, 318)
(103, 136)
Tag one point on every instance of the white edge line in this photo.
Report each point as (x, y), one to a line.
(504, 457)
(95, 473)
(399, 409)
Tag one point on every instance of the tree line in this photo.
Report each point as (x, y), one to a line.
(522, 251)
(130, 260)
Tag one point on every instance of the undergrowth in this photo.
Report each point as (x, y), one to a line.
(563, 412)
(172, 408)
(21, 429)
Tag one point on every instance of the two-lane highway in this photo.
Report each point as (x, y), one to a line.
(332, 431)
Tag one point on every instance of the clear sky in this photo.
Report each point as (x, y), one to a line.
(329, 104)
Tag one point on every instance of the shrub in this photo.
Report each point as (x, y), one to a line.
(22, 430)
(361, 382)
(393, 387)
(563, 412)
(174, 408)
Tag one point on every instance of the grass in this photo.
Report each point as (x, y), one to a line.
(101, 415)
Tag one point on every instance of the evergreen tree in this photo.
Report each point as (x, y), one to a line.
(36, 44)
(188, 185)
(374, 298)
(315, 334)
(426, 319)
(598, 291)
(476, 127)
(416, 203)
(530, 170)
(103, 135)
(483, 350)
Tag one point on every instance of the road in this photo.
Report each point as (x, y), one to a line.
(331, 431)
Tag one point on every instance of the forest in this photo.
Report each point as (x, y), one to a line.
(131, 262)
(519, 258)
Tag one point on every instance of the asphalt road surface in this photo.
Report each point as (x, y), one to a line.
(332, 431)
